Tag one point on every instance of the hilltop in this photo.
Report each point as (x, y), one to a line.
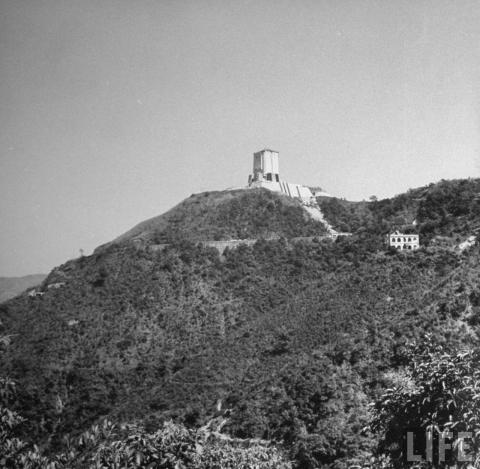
(222, 215)
(295, 339)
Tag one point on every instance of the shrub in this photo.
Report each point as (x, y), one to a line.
(441, 397)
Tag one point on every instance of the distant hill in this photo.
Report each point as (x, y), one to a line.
(12, 286)
(294, 339)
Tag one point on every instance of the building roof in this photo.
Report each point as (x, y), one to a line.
(397, 233)
(267, 149)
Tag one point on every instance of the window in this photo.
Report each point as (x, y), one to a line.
(277, 178)
(269, 176)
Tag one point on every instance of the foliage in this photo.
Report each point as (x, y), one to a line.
(172, 447)
(316, 408)
(238, 214)
(15, 453)
(448, 208)
(107, 445)
(175, 446)
(294, 338)
(169, 333)
(441, 395)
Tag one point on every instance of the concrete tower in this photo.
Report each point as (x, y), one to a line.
(265, 174)
(265, 166)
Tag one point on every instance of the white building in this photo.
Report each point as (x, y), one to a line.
(403, 242)
(266, 175)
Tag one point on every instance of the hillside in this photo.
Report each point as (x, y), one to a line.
(12, 286)
(294, 339)
(448, 208)
(237, 214)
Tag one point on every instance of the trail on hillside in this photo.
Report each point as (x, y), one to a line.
(316, 214)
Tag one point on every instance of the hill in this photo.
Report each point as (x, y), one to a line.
(12, 286)
(294, 339)
(222, 215)
(448, 208)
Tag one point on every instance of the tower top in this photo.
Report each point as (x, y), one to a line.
(265, 166)
(266, 149)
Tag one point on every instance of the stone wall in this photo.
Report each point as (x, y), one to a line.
(234, 243)
(231, 243)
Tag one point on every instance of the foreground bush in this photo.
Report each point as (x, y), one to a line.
(109, 446)
(432, 417)
(173, 446)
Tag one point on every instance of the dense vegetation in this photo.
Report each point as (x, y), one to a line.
(432, 414)
(107, 445)
(448, 208)
(278, 341)
(238, 214)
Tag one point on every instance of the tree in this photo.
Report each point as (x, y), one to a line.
(315, 408)
(433, 416)
(15, 453)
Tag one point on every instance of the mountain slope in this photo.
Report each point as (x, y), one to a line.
(448, 208)
(294, 339)
(237, 214)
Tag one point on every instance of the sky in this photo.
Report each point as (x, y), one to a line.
(114, 111)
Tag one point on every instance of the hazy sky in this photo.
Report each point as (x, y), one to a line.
(114, 111)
